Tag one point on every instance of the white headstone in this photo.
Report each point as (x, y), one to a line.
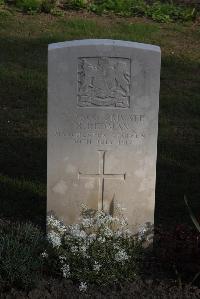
(103, 99)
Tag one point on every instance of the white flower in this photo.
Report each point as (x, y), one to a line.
(54, 238)
(96, 266)
(91, 238)
(74, 229)
(100, 222)
(87, 222)
(56, 224)
(65, 270)
(142, 230)
(83, 287)
(74, 249)
(44, 254)
(101, 218)
(145, 231)
(121, 256)
(62, 259)
(123, 222)
(76, 232)
(101, 239)
(127, 232)
(116, 246)
(108, 232)
(62, 229)
(118, 233)
(82, 234)
(123, 233)
(108, 219)
(83, 248)
(100, 214)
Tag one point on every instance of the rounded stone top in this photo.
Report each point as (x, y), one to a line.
(103, 42)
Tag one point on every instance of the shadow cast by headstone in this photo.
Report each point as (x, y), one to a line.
(178, 161)
(22, 204)
(178, 174)
(178, 170)
(23, 179)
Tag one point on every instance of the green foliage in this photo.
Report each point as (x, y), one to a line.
(76, 4)
(29, 5)
(167, 12)
(156, 10)
(138, 8)
(48, 5)
(57, 12)
(21, 246)
(101, 6)
(100, 249)
(4, 11)
(121, 7)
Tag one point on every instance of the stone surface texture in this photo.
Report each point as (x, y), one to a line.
(103, 100)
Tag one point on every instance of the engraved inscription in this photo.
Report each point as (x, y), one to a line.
(104, 82)
(101, 176)
(102, 139)
(107, 129)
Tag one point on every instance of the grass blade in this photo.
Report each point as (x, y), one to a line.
(194, 220)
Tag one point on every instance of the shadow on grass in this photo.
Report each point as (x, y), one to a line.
(178, 173)
(178, 162)
(23, 179)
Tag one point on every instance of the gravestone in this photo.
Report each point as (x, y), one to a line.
(103, 99)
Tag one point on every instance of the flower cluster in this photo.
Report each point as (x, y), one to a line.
(83, 287)
(145, 232)
(54, 238)
(99, 249)
(121, 256)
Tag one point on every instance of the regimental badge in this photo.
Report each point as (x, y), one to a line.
(104, 82)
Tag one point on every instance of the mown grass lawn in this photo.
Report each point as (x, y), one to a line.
(23, 101)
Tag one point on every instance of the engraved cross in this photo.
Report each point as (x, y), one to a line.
(101, 176)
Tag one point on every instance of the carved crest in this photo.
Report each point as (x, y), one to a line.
(104, 82)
